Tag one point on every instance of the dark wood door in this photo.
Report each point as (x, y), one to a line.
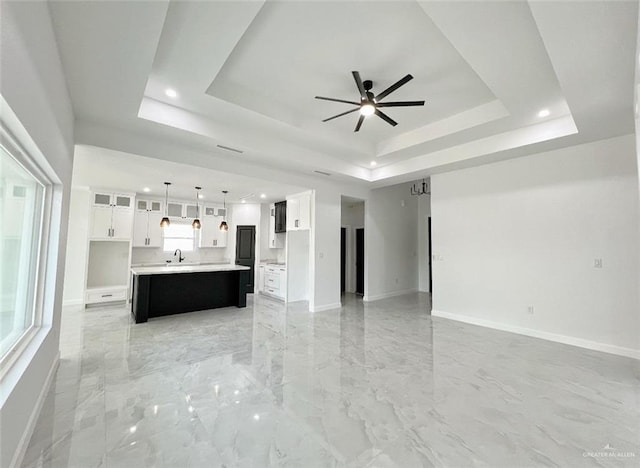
(430, 273)
(343, 258)
(360, 261)
(246, 250)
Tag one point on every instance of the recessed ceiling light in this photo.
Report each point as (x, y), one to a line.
(146, 189)
(171, 93)
(262, 195)
(373, 163)
(544, 113)
(244, 201)
(200, 196)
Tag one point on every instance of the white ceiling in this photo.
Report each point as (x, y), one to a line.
(104, 168)
(246, 74)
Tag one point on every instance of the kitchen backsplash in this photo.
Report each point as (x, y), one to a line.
(147, 255)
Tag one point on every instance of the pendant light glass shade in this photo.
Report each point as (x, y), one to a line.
(223, 224)
(165, 221)
(196, 222)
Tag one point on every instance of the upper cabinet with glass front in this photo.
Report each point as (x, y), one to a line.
(111, 215)
(182, 210)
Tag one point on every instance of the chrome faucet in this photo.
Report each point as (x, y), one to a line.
(180, 257)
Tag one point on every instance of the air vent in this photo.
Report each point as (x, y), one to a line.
(323, 173)
(228, 148)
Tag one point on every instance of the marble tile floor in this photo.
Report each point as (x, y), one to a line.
(379, 384)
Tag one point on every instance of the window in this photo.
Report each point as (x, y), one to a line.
(179, 236)
(22, 198)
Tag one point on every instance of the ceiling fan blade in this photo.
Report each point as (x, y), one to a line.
(400, 104)
(359, 124)
(337, 100)
(363, 93)
(386, 118)
(393, 87)
(340, 115)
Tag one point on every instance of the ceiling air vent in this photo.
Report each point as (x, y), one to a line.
(228, 148)
(323, 173)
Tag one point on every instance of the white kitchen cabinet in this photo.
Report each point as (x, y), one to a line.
(146, 227)
(275, 281)
(276, 240)
(210, 234)
(182, 210)
(299, 212)
(111, 216)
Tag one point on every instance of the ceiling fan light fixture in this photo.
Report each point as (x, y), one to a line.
(367, 109)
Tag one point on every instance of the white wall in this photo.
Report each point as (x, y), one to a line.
(352, 217)
(325, 250)
(391, 236)
(244, 214)
(525, 232)
(33, 85)
(76, 258)
(424, 211)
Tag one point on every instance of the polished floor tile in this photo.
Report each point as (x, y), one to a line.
(379, 384)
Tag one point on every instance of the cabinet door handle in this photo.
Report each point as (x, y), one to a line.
(107, 295)
(296, 223)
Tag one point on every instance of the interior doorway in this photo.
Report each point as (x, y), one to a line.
(351, 266)
(430, 255)
(360, 261)
(343, 260)
(246, 250)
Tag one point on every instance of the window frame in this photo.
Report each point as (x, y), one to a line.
(179, 222)
(29, 161)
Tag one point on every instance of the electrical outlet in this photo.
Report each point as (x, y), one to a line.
(530, 310)
(597, 263)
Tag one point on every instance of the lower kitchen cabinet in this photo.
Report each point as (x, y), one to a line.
(272, 281)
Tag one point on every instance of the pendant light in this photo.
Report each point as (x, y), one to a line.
(165, 221)
(196, 222)
(223, 224)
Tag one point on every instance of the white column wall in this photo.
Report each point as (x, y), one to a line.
(391, 242)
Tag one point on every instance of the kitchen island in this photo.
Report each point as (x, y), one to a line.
(175, 289)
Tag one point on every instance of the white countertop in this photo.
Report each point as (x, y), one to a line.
(177, 268)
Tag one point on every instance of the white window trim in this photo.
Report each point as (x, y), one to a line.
(184, 223)
(29, 161)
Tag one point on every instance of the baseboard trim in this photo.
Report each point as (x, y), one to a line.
(322, 308)
(569, 340)
(72, 302)
(21, 451)
(376, 297)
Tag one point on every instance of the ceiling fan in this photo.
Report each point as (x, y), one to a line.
(370, 104)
